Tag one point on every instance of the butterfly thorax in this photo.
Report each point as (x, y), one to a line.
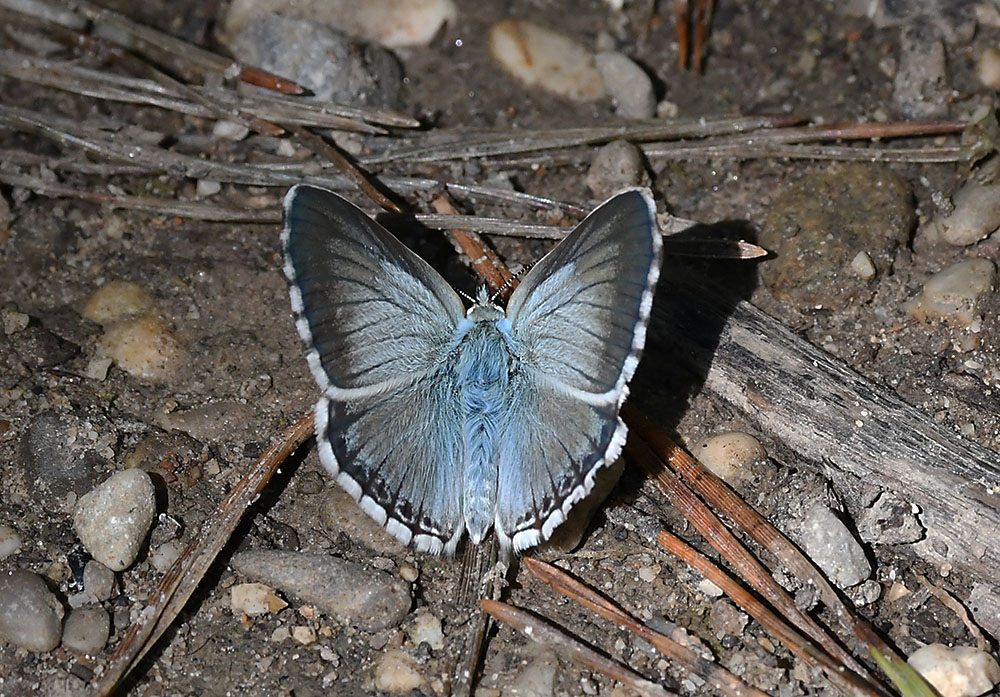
(486, 356)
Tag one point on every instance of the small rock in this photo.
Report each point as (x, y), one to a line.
(341, 513)
(255, 599)
(890, 521)
(98, 581)
(725, 619)
(709, 588)
(207, 187)
(97, 368)
(833, 548)
(13, 322)
(113, 519)
(390, 23)
(230, 130)
(30, 614)
(975, 216)
(536, 676)
(817, 225)
(616, 166)
(630, 87)
(954, 294)
(425, 627)
(862, 265)
(540, 57)
(960, 671)
(143, 347)
(117, 300)
(408, 573)
(988, 67)
(730, 456)
(56, 460)
(344, 590)
(87, 630)
(163, 556)
(10, 541)
(335, 66)
(396, 672)
(920, 88)
(304, 634)
(38, 346)
(207, 422)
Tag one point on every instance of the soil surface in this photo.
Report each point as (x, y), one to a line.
(243, 377)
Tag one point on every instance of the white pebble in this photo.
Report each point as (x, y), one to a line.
(117, 300)
(396, 672)
(206, 187)
(960, 671)
(630, 87)
(255, 599)
(408, 573)
(863, 266)
(988, 67)
(540, 57)
(730, 455)
(113, 519)
(143, 347)
(954, 294)
(304, 634)
(97, 368)
(616, 166)
(87, 630)
(833, 548)
(425, 627)
(976, 214)
(230, 130)
(10, 541)
(30, 615)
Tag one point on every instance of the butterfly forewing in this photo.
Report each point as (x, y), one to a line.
(579, 319)
(378, 322)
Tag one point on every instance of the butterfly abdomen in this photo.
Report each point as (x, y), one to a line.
(483, 381)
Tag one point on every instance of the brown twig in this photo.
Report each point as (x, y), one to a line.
(186, 573)
(544, 633)
(484, 260)
(703, 19)
(711, 672)
(682, 30)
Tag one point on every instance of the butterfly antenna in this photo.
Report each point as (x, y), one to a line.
(512, 281)
(466, 295)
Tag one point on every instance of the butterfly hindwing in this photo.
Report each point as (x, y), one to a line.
(377, 321)
(579, 319)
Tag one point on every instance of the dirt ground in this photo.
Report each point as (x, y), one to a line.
(221, 290)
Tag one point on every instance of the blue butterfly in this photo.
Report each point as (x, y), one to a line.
(440, 420)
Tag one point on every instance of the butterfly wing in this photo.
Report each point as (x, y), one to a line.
(579, 319)
(378, 323)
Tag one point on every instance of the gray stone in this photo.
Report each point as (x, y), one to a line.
(113, 519)
(56, 460)
(890, 521)
(30, 614)
(833, 548)
(348, 592)
(616, 166)
(98, 580)
(920, 88)
(630, 87)
(87, 630)
(335, 66)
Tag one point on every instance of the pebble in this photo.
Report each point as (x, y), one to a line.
(87, 630)
(631, 89)
(255, 599)
(30, 614)
(954, 294)
(863, 266)
(542, 58)
(13, 321)
(408, 573)
(817, 225)
(113, 519)
(960, 671)
(230, 130)
(98, 581)
(56, 459)
(890, 521)
(97, 368)
(390, 23)
(304, 634)
(207, 187)
(616, 166)
(975, 216)
(730, 455)
(726, 619)
(988, 67)
(10, 541)
(426, 627)
(144, 347)
(536, 676)
(833, 548)
(164, 556)
(348, 592)
(341, 513)
(334, 66)
(920, 87)
(117, 300)
(396, 672)
(37, 345)
(207, 422)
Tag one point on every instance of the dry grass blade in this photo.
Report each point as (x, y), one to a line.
(548, 635)
(711, 672)
(722, 497)
(682, 30)
(186, 573)
(485, 262)
(703, 18)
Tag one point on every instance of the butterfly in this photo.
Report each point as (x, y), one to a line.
(441, 420)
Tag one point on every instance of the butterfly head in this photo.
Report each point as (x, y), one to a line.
(483, 308)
